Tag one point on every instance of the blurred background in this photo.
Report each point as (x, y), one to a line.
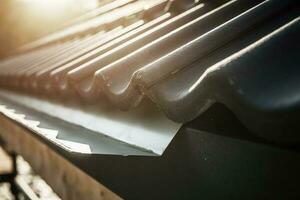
(22, 21)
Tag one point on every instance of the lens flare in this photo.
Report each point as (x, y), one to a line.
(58, 8)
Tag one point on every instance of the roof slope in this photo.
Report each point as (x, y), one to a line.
(182, 59)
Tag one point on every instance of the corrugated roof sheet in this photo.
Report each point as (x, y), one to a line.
(169, 55)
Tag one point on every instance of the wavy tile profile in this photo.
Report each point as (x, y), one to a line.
(182, 55)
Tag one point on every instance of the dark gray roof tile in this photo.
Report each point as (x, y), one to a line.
(181, 58)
